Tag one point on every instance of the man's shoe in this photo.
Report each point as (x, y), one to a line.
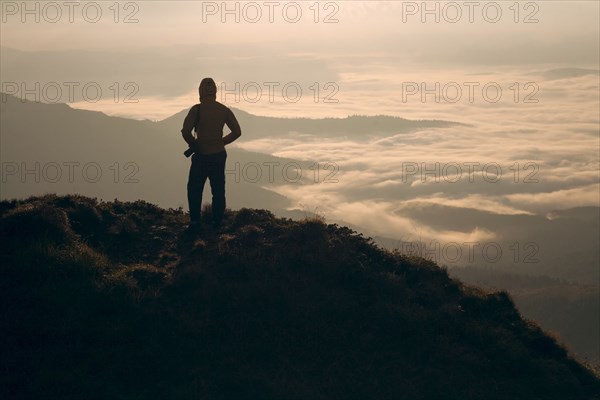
(194, 227)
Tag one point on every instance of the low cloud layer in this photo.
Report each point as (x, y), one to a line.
(511, 158)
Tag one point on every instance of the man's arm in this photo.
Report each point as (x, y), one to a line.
(188, 125)
(232, 124)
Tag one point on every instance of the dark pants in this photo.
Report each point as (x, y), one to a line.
(211, 166)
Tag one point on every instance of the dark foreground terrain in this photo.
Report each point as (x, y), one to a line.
(113, 300)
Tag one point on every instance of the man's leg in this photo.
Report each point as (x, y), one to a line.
(217, 186)
(195, 187)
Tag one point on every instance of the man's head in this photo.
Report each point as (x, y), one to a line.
(207, 89)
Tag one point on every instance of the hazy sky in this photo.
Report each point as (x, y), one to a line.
(364, 50)
(342, 26)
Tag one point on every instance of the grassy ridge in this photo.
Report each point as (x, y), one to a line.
(569, 310)
(112, 300)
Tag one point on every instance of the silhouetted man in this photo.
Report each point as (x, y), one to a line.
(208, 161)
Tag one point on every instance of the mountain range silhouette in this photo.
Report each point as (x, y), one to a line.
(115, 300)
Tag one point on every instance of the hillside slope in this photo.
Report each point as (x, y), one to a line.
(114, 301)
(567, 309)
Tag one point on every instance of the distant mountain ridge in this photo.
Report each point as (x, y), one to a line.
(355, 125)
(566, 73)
